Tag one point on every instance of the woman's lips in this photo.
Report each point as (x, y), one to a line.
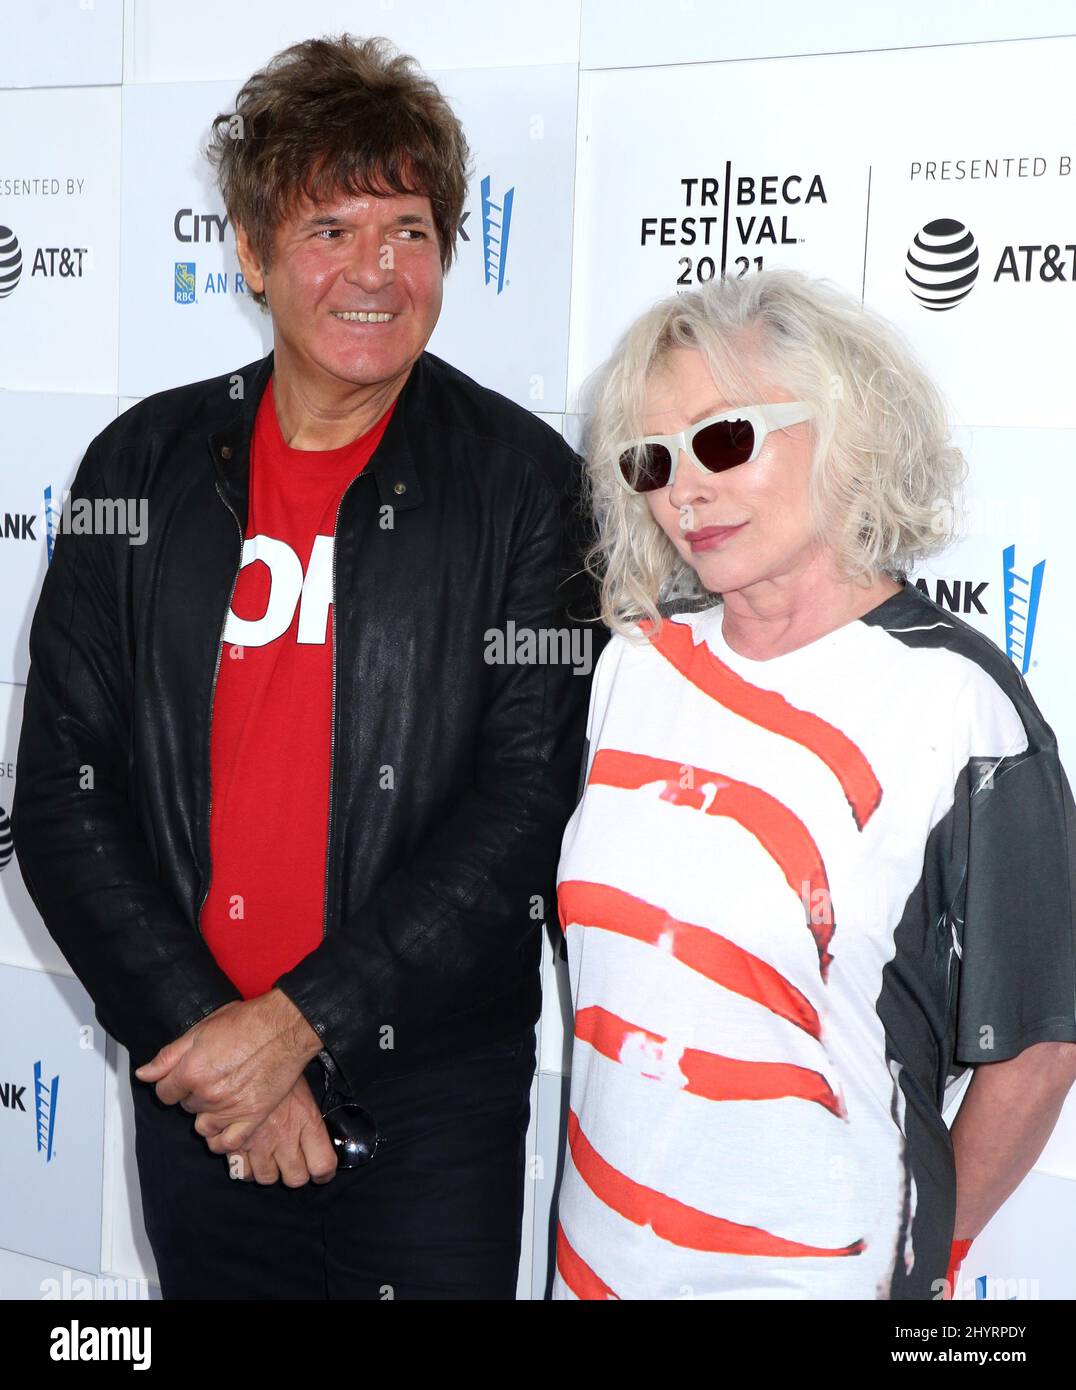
(711, 537)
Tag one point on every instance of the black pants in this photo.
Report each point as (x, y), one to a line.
(436, 1213)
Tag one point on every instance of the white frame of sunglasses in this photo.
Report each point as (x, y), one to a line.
(763, 419)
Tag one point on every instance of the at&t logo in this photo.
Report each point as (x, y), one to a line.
(943, 264)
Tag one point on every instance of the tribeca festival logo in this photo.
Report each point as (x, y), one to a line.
(94, 516)
(10, 261)
(1022, 594)
(496, 228)
(732, 221)
(943, 264)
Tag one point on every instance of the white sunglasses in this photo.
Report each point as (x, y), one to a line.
(715, 444)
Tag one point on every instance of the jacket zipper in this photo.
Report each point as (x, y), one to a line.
(332, 714)
(212, 697)
(324, 1056)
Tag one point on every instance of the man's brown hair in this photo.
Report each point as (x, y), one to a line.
(337, 115)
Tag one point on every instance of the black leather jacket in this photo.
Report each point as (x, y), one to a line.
(435, 888)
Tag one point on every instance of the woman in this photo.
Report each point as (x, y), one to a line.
(821, 864)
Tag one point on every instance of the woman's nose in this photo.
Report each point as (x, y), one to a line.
(690, 486)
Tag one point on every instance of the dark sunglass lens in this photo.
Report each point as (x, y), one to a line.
(724, 444)
(354, 1134)
(647, 468)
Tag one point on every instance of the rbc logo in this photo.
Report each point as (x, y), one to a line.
(185, 288)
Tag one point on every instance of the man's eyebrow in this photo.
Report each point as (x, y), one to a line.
(406, 219)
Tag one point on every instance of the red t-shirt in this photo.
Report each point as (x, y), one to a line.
(269, 746)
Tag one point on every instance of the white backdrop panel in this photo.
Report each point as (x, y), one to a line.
(991, 149)
(169, 199)
(1021, 492)
(59, 201)
(167, 43)
(51, 1139)
(62, 43)
(520, 123)
(45, 437)
(658, 149)
(23, 938)
(1026, 1251)
(791, 147)
(624, 33)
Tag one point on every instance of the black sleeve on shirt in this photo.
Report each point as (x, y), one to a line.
(1016, 979)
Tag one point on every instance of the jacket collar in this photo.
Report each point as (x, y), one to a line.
(392, 463)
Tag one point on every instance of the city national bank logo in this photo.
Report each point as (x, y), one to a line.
(185, 289)
(13, 1098)
(496, 228)
(10, 261)
(1022, 593)
(943, 264)
(191, 227)
(7, 840)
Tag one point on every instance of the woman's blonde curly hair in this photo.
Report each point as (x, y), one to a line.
(885, 481)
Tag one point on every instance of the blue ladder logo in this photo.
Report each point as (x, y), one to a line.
(45, 1111)
(53, 517)
(1021, 609)
(496, 225)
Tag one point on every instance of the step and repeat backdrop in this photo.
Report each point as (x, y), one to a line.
(623, 149)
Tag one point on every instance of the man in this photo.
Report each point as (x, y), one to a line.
(334, 533)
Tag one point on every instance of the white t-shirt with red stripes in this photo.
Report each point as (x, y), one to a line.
(779, 961)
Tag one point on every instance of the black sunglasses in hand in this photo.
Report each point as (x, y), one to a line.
(352, 1129)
